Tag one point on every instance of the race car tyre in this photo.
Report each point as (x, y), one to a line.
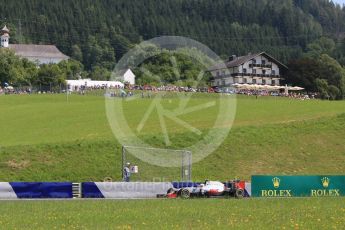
(239, 193)
(184, 193)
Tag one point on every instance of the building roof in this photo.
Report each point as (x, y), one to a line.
(37, 51)
(243, 59)
(122, 71)
(5, 30)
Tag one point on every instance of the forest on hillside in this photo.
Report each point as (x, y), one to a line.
(98, 33)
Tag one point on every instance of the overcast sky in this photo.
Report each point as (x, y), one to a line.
(339, 1)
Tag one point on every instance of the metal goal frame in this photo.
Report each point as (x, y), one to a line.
(186, 160)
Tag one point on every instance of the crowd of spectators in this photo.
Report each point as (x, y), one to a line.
(149, 90)
(92, 88)
(11, 90)
(167, 88)
(281, 93)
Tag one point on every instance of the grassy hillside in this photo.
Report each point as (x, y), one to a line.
(36, 119)
(47, 138)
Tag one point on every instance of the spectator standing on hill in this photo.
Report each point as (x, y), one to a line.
(127, 172)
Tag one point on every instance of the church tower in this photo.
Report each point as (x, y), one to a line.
(5, 37)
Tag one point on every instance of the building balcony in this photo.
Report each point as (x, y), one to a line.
(254, 75)
(248, 75)
(262, 66)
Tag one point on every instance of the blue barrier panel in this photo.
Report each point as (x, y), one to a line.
(42, 189)
(90, 190)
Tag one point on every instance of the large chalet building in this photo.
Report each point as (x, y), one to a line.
(40, 54)
(259, 69)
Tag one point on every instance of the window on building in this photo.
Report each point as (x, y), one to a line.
(218, 73)
(244, 80)
(273, 72)
(223, 73)
(273, 82)
(244, 70)
(254, 61)
(263, 81)
(263, 62)
(254, 71)
(254, 81)
(263, 72)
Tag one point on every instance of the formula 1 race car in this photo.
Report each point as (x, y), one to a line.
(234, 188)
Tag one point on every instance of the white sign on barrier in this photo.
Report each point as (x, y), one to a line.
(134, 169)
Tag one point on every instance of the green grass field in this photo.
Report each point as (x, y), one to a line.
(47, 138)
(325, 213)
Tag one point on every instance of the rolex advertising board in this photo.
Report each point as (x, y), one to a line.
(298, 186)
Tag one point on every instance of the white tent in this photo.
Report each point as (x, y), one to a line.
(289, 88)
(296, 88)
(257, 87)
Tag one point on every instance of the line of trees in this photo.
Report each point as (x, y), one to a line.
(181, 67)
(317, 71)
(16, 71)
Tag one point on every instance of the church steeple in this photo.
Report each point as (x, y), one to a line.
(5, 37)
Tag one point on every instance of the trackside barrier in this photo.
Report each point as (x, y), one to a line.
(29, 190)
(248, 189)
(124, 189)
(298, 186)
(6, 191)
(136, 189)
(76, 190)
